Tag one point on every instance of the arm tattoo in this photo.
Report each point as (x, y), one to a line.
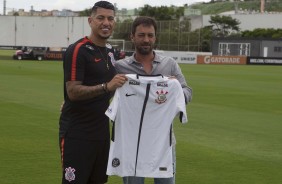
(76, 91)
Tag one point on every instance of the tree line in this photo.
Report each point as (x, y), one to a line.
(174, 30)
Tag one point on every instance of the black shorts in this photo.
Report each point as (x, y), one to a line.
(84, 161)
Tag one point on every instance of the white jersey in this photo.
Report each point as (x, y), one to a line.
(143, 110)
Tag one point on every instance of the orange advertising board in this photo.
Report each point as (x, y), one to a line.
(230, 60)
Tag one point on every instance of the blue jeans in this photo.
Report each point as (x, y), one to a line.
(140, 180)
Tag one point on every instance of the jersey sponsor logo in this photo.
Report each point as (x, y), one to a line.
(127, 95)
(97, 60)
(89, 47)
(162, 84)
(162, 168)
(69, 175)
(134, 82)
(115, 162)
(161, 96)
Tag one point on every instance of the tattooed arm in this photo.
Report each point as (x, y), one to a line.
(76, 91)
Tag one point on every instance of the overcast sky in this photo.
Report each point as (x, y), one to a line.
(77, 5)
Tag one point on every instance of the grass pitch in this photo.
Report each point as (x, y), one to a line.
(233, 135)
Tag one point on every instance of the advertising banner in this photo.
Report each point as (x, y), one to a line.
(264, 61)
(180, 57)
(54, 55)
(231, 60)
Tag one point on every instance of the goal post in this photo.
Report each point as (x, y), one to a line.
(117, 43)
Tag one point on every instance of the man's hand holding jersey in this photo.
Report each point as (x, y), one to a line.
(116, 82)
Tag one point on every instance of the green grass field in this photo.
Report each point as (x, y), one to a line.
(233, 135)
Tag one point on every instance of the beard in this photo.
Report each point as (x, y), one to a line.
(144, 51)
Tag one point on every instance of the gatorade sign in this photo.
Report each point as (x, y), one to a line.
(232, 60)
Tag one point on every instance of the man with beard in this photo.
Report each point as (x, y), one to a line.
(145, 61)
(89, 79)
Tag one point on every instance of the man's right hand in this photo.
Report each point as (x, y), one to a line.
(116, 82)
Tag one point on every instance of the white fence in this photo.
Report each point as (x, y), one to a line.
(42, 31)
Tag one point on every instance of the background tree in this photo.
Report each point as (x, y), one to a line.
(123, 29)
(263, 33)
(162, 12)
(205, 39)
(85, 12)
(223, 26)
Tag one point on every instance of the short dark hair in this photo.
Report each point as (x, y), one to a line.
(102, 4)
(147, 21)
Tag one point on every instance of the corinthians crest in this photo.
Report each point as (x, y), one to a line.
(161, 96)
(69, 175)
